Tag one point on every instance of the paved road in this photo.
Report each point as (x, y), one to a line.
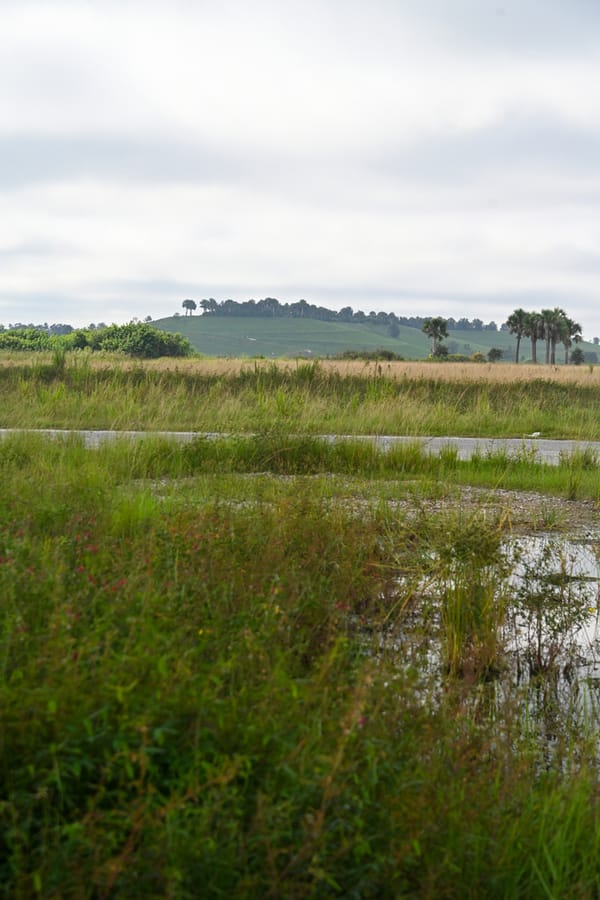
(548, 451)
(545, 450)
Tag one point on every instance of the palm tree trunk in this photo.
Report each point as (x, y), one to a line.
(534, 349)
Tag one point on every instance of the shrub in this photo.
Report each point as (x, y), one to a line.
(139, 339)
(380, 354)
(25, 339)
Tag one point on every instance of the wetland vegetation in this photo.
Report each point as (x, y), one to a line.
(84, 390)
(276, 666)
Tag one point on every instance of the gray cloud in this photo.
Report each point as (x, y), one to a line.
(30, 159)
(35, 249)
(515, 26)
(519, 141)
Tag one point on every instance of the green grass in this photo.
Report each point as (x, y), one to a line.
(195, 690)
(307, 399)
(268, 455)
(272, 665)
(238, 336)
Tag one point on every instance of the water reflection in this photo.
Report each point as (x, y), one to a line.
(553, 634)
(548, 639)
(553, 611)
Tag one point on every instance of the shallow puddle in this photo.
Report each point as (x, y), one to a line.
(552, 632)
(552, 613)
(544, 632)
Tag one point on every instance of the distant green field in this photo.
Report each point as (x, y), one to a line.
(253, 336)
(280, 337)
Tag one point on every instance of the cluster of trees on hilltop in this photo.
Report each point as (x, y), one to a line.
(552, 326)
(270, 307)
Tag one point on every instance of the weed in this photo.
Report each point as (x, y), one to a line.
(449, 457)
(470, 574)
(585, 458)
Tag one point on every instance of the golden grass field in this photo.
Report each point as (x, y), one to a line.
(478, 372)
(499, 373)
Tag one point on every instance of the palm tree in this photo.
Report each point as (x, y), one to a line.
(546, 323)
(534, 330)
(552, 320)
(517, 324)
(558, 327)
(209, 306)
(571, 332)
(436, 328)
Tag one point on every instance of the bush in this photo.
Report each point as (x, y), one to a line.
(139, 339)
(134, 339)
(76, 340)
(26, 339)
(380, 354)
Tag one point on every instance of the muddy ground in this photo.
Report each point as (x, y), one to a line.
(525, 511)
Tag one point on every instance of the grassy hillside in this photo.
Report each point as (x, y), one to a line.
(277, 337)
(253, 336)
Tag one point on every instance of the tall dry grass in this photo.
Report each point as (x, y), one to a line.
(499, 373)
(505, 373)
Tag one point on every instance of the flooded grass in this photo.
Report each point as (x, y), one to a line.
(555, 608)
(284, 668)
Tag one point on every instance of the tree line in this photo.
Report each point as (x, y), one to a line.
(55, 328)
(270, 307)
(552, 326)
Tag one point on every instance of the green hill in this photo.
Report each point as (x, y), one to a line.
(280, 336)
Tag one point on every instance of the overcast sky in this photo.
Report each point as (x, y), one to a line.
(427, 157)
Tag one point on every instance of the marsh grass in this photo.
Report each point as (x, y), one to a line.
(305, 397)
(194, 689)
(471, 573)
(550, 602)
(278, 453)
